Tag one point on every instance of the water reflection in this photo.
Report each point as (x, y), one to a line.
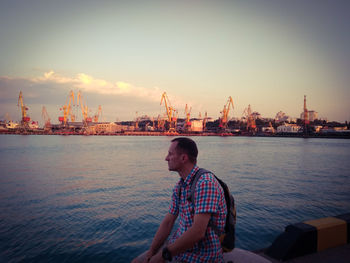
(100, 199)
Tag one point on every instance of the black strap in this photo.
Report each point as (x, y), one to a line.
(195, 179)
(193, 183)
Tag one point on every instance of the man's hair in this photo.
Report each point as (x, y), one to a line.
(187, 146)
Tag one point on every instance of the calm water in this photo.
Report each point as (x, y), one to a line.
(100, 199)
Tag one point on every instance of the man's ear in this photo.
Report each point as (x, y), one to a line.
(184, 157)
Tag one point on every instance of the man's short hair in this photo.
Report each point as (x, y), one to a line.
(187, 146)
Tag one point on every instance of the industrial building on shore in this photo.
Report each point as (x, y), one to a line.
(170, 123)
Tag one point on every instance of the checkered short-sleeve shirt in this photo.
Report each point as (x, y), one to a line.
(208, 198)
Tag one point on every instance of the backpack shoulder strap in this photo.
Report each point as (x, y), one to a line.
(198, 174)
(195, 179)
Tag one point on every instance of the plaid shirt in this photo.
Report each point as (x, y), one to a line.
(208, 198)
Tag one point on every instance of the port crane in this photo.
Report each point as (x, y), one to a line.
(67, 110)
(98, 114)
(170, 111)
(25, 118)
(84, 109)
(188, 117)
(225, 112)
(46, 118)
(251, 126)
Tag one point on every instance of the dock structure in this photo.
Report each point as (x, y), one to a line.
(321, 240)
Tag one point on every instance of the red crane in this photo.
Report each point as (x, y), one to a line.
(251, 126)
(225, 112)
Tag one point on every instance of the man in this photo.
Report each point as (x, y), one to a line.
(195, 239)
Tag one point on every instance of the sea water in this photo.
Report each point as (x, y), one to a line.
(101, 198)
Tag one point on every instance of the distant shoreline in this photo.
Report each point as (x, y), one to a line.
(288, 135)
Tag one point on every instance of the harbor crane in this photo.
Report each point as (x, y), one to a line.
(46, 118)
(67, 110)
(25, 118)
(98, 114)
(188, 116)
(84, 109)
(225, 112)
(251, 126)
(170, 111)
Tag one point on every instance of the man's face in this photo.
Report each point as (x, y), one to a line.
(173, 158)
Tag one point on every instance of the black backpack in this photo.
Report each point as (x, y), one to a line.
(227, 239)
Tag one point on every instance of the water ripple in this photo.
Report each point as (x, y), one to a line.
(101, 199)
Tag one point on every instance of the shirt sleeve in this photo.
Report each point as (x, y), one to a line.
(207, 195)
(174, 205)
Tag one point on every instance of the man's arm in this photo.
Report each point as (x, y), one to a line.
(188, 239)
(162, 233)
(192, 236)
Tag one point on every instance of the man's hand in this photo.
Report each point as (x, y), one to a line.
(192, 235)
(149, 255)
(143, 259)
(157, 258)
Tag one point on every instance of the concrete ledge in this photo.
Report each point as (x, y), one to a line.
(238, 255)
(311, 236)
(331, 232)
(346, 217)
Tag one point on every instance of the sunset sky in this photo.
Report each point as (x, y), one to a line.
(123, 55)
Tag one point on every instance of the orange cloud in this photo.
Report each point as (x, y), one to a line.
(88, 83)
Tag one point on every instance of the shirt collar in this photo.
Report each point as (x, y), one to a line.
(188, 179)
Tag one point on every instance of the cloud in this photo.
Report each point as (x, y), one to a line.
(51, 90)
(51, 76)
(88, 83)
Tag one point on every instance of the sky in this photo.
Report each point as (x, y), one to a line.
(123, 55)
